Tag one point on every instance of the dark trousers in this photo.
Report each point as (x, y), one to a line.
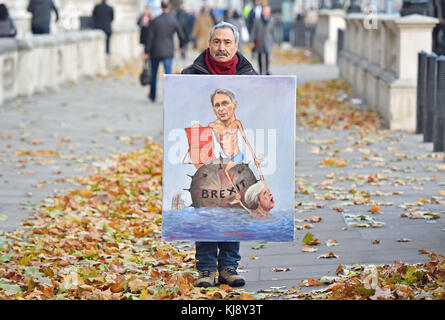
(208, 257)
(266, 60)
(40, 29)
(107, 42)
(167, 62)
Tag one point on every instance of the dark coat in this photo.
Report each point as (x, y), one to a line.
(262, 31)
(250, 19)
(184, 22)
(143, 36)
(103, 15)
(160, 42)
(244, 67)
(41, 12)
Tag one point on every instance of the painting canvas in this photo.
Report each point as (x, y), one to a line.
(229, 158)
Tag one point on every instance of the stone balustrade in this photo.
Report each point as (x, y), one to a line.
(38, 64)
(379, 59)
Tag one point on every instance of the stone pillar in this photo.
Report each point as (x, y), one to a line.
(381, 64)
(414, 35)
(326, 35)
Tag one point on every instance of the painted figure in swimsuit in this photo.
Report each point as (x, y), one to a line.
(226, 131)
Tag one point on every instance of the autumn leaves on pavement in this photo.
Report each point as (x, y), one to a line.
(101, 240)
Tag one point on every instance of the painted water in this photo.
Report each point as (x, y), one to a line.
(222, 224)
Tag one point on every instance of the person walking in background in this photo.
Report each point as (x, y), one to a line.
(201, 29)
(144, 23)
(7, 26)
(262, 35)
(234, 18)
(254, 14)
(160, 45)
(220, 57)
(439, 13)
(41, 15)
(103, 15)
(310, 23)
(184, 22)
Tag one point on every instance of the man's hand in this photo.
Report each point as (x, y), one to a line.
(146, 56)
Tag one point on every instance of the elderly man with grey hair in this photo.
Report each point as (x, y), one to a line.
(220, 58)
(222, 55)
(259, 199)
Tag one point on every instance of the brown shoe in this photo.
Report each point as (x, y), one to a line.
(231, 277)
(205, 279)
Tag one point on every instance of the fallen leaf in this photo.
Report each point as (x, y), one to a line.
(311, 282)
(281, 269)
(307, 248)
(310, 240)
(331, 243)
(329, 255)
(314, 219)
(375, 209)
(382, 294)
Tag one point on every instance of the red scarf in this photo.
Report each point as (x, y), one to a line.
(221, 67)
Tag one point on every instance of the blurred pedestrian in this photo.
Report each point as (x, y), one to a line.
(201, 29)
(217, 14)
(144, 23)
(184, 20)
(310, 23)
(254, 14)
(262, 34)
(439, 29)
(220, 57)
(103, 15)
(234, 18)
(41, 15)
(160, 45)
(7, 26)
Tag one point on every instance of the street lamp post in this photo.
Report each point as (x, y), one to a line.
(354, 7)
(415, 7)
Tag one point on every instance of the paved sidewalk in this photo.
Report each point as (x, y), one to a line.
(402, 179)
(47, 138)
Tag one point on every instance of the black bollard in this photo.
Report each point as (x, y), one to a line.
(421, 86)
(439, 113)
(430, 98)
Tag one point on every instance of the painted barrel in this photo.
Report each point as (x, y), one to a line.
(210, 186)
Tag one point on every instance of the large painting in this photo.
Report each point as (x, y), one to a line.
(229, 158)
